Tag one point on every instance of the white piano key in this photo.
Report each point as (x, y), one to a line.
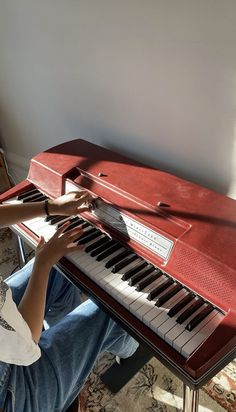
(142, 299)
(150, 314)
(177, 329)
(122, 294)
(88, 264)
(158, 315)
(99, 276)
(38, 224)
(113, 282)
(117, 289)
(83, 258)
(155, 283)
(163, 316)
(170, 323)
(201, 336)
(47, 231)
(80, 259)
(30, 222)
(107, 279)
(144, 309)
(132, 297)
(186, 335)
(12, 201)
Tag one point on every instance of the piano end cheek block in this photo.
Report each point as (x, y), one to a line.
(220, 343)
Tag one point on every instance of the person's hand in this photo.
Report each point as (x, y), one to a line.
(60, 244)
(70, 204)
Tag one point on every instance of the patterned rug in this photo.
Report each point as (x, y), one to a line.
(154, 388)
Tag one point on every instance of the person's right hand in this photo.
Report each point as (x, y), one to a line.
(61, 243)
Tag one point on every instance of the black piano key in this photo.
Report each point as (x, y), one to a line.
(89, 231)
(89, 237)
(39, 199)
(86, 229)
(85, 225)
(98, 243)
(189, 311)
(149, 279)
(103, 247)
(154, 284)
(108, 252)
(54, 219)
(33, 198)
(199, 317)
(140, 275)
(166, 296)
(62, 221)
(49, 218)
(180, 305)
(26, 194)
(74, 222)
(118, 258)
(127, 274)
(157, 290)
(125, 262)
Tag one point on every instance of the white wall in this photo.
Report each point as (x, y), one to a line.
(155, 79)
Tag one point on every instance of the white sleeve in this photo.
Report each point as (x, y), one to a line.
(16, 343)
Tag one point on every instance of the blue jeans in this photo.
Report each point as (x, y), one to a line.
(78, 333)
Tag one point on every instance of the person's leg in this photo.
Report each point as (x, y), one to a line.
(19, 280)
(69, 352)
(62, 295)
(74, 344)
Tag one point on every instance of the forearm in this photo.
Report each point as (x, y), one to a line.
(32, 305)
(15, 213)
(11, 214)
(66, 205)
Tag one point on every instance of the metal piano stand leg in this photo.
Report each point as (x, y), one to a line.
(20, 251)
(190, 399)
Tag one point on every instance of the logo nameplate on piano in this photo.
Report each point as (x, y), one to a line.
(145, 236)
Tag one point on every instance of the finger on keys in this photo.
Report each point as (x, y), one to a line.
(75, 234)
(62, 228)
(41, 241)
(73, 247)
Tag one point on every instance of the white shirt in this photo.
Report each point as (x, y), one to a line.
(16, 343)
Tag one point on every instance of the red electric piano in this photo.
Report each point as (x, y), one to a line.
(160, 252)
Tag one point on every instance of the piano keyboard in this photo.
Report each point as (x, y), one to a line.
(176, 314)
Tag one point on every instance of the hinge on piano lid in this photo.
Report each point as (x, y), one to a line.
(101, 174)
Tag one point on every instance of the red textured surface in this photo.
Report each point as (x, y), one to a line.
(201, 222)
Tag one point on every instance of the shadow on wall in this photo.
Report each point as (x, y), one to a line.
(153, 81)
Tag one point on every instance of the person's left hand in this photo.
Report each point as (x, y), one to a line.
(60, 244)
(70, 204)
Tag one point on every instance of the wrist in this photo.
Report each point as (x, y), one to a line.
(49, 207)
(42, 263)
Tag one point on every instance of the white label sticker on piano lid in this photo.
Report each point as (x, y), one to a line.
(147, 237)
